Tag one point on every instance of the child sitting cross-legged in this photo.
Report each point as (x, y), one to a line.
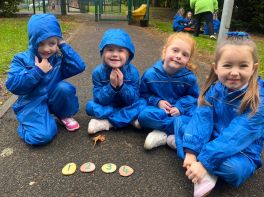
(116, 102)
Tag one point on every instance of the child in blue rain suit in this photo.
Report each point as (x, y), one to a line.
(171, 90)
(179, 22)
(116, 101)
(37, 77)
(216, 26)
(225, 136)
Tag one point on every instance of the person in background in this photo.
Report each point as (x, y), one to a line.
(179, 22)
(204, 9)
(216, 26)
(191, 21)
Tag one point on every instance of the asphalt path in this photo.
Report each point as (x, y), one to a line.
(36, 171)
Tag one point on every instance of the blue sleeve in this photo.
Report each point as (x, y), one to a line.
(188, 103)
(241, 132)
(147, 94)
(129, 92)
(22, 79)
(199, 130)
(72, 64)
(102, 93)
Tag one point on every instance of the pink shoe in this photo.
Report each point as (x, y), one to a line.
(70, 124)
(205, 185)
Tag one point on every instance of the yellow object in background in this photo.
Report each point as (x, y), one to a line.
(140, 13)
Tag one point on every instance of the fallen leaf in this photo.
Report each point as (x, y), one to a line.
(7, 152)
(99, 138)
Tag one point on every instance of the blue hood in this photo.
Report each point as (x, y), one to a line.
(41, 27)
(120, 38)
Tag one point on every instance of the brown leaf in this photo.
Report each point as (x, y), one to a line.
(99, 138)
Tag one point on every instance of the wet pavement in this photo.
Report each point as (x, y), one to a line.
(36, 171)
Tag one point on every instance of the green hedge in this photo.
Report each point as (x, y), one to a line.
(8, 7)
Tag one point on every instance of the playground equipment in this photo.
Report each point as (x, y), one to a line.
(140, 13)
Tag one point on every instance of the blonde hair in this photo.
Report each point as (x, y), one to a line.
(251, 98)
(186, 37)
(181, 11)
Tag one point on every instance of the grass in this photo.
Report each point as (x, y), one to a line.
(13, 38)
(206, 47)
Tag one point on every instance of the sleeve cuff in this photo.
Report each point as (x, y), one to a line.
(38, 73)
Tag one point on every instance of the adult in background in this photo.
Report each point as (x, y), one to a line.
(204, 9)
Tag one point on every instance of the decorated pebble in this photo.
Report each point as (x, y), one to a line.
(108, 168)
(69, 169)
(126, 170)
(87, 167)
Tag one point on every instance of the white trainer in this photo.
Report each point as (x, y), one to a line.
(136, 124)
(212, 37)
(154, 139)
(171, 142)
(96, 125)
(205, 185)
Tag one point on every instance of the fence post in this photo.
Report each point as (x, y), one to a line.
(44, 6)
(129, 12)
(63, 7)
(34, 9)
(96, 10)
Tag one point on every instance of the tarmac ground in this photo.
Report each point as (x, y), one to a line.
(36, 171)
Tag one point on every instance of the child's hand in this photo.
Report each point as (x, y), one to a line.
(164, 105)
(60, 41)
(120, 77)
(174, 111)
(189, 159)
(196, 172)
(44, 65)
(113, 78)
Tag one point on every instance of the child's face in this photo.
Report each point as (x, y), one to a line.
(189, 15)
(176, 55)
(115, 56)
(48, 47)
(235, 66)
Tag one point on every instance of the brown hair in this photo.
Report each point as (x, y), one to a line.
(186, 37)
(251, 98)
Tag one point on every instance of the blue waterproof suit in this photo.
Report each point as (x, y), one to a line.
(180, 90)
(120, 106)
(216, 26)
(227, 144)
(179, 23)
(41, 94)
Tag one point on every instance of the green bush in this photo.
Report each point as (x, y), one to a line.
(8, 7)
(248, 16)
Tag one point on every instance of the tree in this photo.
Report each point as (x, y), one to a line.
(8, 7)
(248, 15)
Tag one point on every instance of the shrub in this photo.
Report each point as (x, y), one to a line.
(8, 7)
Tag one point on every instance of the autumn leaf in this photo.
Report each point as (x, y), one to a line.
(99, 138)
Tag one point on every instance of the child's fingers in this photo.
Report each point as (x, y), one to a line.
(36, 60)
(119, 73)
(45, 60)
(168, 104)
(195, 180)
(186, 165)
